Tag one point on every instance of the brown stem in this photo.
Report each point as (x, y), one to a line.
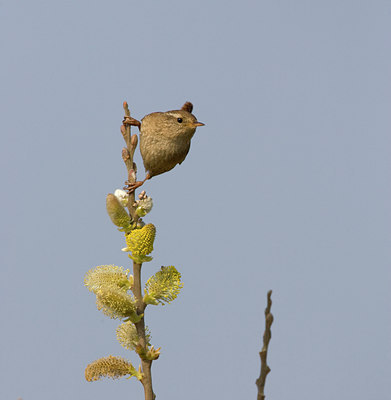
(265, 369)
(140, 327)
(127, 156)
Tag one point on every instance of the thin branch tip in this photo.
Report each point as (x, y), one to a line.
(126, 108)
(265, 369)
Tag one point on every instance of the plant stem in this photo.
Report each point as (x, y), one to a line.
(140, 327)
(265, 369)
(127, 156)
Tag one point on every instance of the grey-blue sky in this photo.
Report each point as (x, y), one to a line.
(287, 187)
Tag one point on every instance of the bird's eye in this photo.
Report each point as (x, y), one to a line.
(180, 120)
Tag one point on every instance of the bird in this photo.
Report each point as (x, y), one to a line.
(164, 140)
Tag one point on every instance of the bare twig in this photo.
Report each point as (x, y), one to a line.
(127, 156)
(265, 369)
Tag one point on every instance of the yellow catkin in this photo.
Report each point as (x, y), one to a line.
(127, 335)
(115, 303)
(110, 367)
(164, 286)
(107, 275)
(140, 242)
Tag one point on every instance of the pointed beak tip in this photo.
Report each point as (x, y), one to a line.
(199, 124)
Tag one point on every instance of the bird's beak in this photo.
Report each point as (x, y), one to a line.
(198, 124)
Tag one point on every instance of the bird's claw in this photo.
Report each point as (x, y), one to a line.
(131, 121)
(131, 187)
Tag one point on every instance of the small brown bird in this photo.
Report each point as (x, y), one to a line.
(164, 139)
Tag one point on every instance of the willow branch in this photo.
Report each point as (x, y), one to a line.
(127, 156)
(140, 327)
(265, 369)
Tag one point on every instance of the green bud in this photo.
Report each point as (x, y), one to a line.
(153, 354)
(134, 317)
(148, 299)
(117, 212)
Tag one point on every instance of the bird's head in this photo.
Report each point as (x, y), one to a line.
(173, 125)
(181, 123)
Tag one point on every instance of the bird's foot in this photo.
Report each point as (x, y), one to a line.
(131, 187)
(131, 121)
